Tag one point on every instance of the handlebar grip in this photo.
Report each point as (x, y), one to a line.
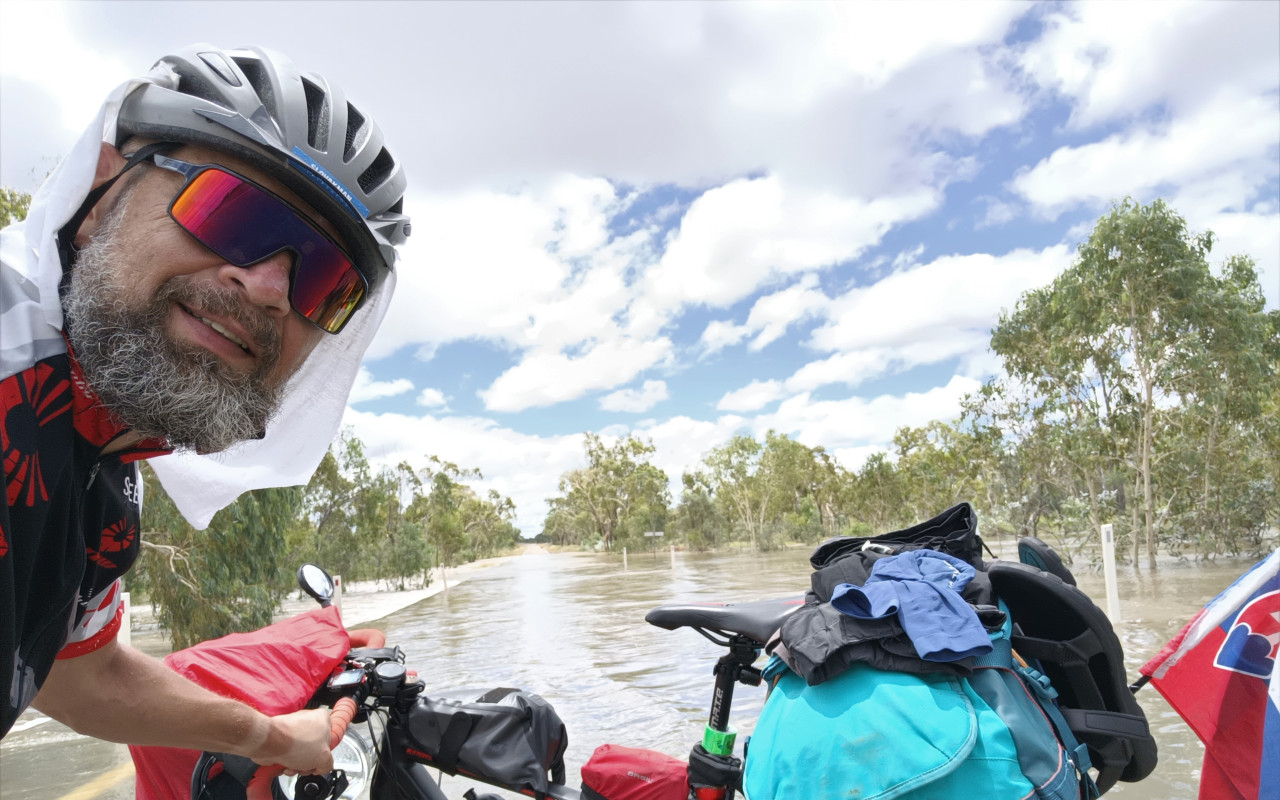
(367, 637)
(343, 712)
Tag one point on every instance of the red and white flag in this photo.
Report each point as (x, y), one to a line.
(1220, 674)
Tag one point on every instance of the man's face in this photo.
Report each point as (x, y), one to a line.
(174, 339)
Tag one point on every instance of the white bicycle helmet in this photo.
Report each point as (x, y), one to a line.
(255, 105)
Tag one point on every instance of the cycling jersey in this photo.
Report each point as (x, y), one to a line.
(69, 528)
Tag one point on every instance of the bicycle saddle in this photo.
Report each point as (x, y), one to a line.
(756, 620)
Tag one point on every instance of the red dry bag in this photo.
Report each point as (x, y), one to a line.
(626, 773)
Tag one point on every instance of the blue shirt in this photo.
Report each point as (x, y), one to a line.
(923, 588)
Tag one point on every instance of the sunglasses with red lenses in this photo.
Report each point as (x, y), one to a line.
(245, 223)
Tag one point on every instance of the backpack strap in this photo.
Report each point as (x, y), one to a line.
(1046, 696)
(1072, 656)
(1064, 635)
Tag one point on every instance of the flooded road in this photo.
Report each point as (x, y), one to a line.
(571, 627)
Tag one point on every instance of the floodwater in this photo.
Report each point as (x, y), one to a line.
(571, 627)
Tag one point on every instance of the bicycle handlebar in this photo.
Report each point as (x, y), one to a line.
(343, 712)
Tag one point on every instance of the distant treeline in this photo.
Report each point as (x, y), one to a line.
(392, 525)
(1140, 388)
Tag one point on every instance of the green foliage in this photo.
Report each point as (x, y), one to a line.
(228, 578)
(614, 500)
(1146, 370)
(391, 525)
(14, 205)
(1141, 387)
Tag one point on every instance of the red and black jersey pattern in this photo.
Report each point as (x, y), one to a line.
(69, 528)
(29, 401)
(116, 538)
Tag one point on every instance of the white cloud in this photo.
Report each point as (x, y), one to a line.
(1251, 234)
(432, 398)
(636, 401)
(1226, 151)
(998, 213)
(752, 397)
(545, 378)
(736, 237)
(769, 318)
(1114, 60)
(938, 301)
(720, 334)
(837, 424)
(78, 78)
(366, 388)
(501, 266)
(852, 458)
(850, 368)
(773, 314)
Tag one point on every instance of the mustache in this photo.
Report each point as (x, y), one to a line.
(224, 302)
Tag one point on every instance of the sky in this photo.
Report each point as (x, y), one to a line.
(686, 221)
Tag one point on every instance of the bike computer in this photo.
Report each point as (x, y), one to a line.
(346, 679)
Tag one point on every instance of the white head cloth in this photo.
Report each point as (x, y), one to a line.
(314, 398)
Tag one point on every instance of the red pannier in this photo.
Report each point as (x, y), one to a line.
(615, 772)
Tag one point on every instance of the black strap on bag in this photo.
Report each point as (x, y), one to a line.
(451, 741)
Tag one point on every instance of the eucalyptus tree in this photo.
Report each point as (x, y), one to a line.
(697, 518)
(618, 490)
(1228, 382)
(227, 578)
(487, 522)
(745, 499)
(1112, 343)
(874, 497)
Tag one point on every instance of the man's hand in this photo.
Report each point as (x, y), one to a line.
(121, 695)
(299, 742)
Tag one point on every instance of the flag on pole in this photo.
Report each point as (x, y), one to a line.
(1220, 674)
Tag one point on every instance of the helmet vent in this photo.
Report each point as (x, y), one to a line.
(355, 123)
(193, 84)
(317, 115)
(261, 83)
(377, 172)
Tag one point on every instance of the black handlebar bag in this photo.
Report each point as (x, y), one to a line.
(506, 737)
(848, 559)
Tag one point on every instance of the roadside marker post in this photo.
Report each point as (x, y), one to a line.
(1109, 571)
(624, 559)
(655, 536)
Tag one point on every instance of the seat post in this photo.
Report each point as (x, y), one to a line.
(714, 772)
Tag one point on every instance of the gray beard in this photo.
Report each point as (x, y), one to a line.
(159, 387)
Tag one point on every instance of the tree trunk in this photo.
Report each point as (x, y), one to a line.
(1133, 526)
(1095, 512)
(1148, 422)
(1206, 493)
